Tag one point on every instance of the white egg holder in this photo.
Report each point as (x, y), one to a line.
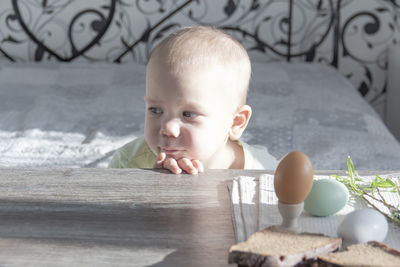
(255, 207)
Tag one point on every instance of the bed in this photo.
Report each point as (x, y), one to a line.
(73, 103)
(76, 115)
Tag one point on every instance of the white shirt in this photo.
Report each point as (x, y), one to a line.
(257, 157)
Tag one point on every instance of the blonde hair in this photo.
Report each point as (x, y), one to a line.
(199, 45)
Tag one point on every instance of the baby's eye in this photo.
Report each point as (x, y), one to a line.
(155, 110)
(189, 114)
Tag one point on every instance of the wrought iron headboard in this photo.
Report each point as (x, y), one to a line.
(351, 35)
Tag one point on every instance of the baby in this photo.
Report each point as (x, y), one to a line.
(196, 87)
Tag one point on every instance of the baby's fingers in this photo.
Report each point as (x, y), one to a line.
(172, 165)
(160, 160)
(188, 166)
(198, 165)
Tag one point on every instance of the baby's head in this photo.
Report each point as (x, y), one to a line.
(196, 86)
(201, 48)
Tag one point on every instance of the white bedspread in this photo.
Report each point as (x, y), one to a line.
(76, 115)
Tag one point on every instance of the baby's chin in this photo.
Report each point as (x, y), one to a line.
(176, 156)
(176, 153)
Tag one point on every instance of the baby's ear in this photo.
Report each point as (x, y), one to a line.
(240, 121)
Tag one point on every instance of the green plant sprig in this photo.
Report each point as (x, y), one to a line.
(371, 190)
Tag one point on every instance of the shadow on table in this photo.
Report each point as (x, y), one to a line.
(195, 235)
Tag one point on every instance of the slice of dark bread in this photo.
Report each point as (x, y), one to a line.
(272, 247)
(370, 254)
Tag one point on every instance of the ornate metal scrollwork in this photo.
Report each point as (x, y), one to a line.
(350, 35)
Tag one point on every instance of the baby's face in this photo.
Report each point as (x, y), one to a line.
(189, 114)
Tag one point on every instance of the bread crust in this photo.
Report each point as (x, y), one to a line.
(243, 254)
(337, 259)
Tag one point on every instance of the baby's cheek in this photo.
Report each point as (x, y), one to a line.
(202, 146)
(194, 144)
(151, 138)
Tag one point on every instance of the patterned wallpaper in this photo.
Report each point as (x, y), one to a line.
(351, 35)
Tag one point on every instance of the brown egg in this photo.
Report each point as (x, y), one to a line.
(293, 178)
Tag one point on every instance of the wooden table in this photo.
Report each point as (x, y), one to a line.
(118, 217)
(126, 217)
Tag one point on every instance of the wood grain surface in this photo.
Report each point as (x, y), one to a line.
(118, 217)
(115, 217)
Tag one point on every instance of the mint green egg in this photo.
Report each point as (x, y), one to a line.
(327, 196)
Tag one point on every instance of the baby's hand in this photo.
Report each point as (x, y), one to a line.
(193, 166)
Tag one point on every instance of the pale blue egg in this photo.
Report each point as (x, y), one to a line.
(361, 226)
(327, 197)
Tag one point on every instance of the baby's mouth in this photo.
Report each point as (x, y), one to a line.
(171, 151)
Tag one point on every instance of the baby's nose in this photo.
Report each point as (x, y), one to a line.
(171, 128)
